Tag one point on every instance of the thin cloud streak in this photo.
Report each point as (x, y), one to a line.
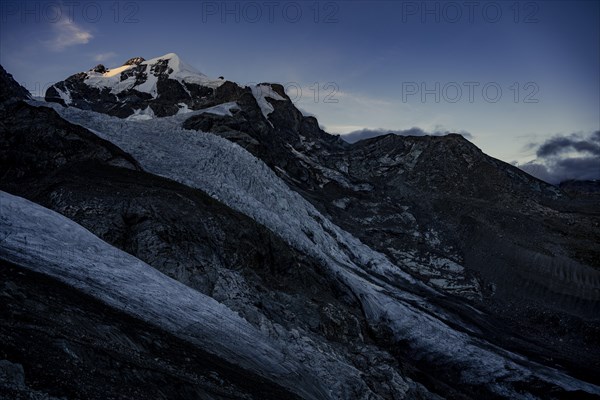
(103, 57)
(67, 33)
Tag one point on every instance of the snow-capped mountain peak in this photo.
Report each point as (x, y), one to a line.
(158, 87)
(162, 82)
(178, 69)
(127, 76)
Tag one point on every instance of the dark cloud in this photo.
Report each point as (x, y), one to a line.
(540, 171)
(581, 168)
(362, 134)
(561, 158)
(559, 145)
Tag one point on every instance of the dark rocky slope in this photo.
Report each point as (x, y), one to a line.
(10, 90)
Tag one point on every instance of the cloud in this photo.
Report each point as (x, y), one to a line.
(540, 171)
(367, 133)
(67, 33)
(559, 145)
(103, 57)
(562, 158)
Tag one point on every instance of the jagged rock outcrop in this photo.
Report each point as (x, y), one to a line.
(10, 90)
(135, 61)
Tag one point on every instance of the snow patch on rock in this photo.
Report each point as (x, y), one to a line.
(261, 93)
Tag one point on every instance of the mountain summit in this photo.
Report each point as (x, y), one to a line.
(160, 86)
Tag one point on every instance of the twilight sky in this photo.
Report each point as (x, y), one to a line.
(515, 75)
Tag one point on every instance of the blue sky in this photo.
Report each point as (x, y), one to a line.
(369, 60)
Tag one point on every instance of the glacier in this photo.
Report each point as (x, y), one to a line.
(44, 241)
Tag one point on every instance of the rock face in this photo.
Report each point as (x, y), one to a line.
(135, 61)
(10, 90)
(512, 261)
